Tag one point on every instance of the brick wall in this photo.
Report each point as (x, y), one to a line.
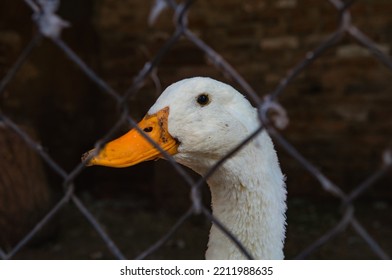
(339, 107)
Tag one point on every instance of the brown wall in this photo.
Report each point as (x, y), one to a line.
(339, 107)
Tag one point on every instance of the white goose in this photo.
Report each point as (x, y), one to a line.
(199, 120)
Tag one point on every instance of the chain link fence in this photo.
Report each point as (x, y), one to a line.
(272, 115)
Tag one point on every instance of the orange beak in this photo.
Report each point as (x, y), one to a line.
(133, 148)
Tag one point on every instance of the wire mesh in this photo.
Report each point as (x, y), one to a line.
(271, 114)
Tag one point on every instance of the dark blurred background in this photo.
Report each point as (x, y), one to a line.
(339, 109)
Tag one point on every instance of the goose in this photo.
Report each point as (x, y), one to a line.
(198, 121)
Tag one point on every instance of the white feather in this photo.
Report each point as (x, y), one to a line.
(248, 190)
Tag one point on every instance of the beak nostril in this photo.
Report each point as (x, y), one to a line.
(147, 129)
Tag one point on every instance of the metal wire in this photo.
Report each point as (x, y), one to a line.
(50, 25)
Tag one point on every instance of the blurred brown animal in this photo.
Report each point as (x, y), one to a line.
(24, 192)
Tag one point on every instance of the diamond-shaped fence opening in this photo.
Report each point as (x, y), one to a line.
(42, 203)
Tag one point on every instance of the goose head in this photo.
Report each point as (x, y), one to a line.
(196, 120)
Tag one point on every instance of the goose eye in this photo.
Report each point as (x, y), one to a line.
(203, 99)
